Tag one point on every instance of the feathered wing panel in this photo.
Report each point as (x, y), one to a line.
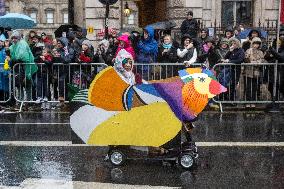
(151, 125)
(107, 89)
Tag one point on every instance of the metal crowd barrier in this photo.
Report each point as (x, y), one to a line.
(246, 83)
(50, 83)
(157, 71)
(5, 84)
(250, 83)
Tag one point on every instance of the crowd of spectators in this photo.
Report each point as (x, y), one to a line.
(196, 46)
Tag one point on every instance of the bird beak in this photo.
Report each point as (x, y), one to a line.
(215, 88)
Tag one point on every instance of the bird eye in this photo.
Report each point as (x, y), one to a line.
(202, 79)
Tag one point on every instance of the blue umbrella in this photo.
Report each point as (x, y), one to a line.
(16, 21)
(244, 34)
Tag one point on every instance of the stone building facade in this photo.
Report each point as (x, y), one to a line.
(210, 12)
(48, 14)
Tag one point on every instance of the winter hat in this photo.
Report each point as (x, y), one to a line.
(210, 40)
(225, 41)
(229, 29)
(233, 39)
(186, 36)
(87, 43)
(104, 42)
(16, 34)
(190, 13)
(63, 41)
(256, 40)
(124, 38)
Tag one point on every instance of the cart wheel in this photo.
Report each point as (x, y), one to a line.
(117, 158)
(186, 161)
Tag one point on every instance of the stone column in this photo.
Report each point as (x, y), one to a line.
(218, 13)
(79, 10)
(177, 11)
(95, 15)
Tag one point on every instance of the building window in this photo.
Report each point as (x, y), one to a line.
(131, 19)
(50, 17)
(235, 12)
(65, 18)
(33, 16)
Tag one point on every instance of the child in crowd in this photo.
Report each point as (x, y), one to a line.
(44, 77)
(252, 73)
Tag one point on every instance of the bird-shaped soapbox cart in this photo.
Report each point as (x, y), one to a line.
(143, 120)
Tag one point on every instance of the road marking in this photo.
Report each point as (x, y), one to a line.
(66, 184)
(199, 144)
(240, 144)
(34, 123)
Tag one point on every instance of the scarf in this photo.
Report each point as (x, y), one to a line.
(167, 46)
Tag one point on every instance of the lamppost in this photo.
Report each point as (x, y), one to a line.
(107, 3)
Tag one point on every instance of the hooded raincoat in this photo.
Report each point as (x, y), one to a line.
(121, 58)
(127, 46)
(21, 52)
(148, 48)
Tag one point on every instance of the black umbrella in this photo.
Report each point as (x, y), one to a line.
(65, 28)
(166, 25)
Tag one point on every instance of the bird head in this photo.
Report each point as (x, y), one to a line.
(203, 80)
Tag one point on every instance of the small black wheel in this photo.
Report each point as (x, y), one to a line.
(186, 161)
(116, 157)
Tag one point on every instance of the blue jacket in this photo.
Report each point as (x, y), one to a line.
(148, 48)
(4, 74)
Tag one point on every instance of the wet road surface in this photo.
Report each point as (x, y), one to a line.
(228, 166)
